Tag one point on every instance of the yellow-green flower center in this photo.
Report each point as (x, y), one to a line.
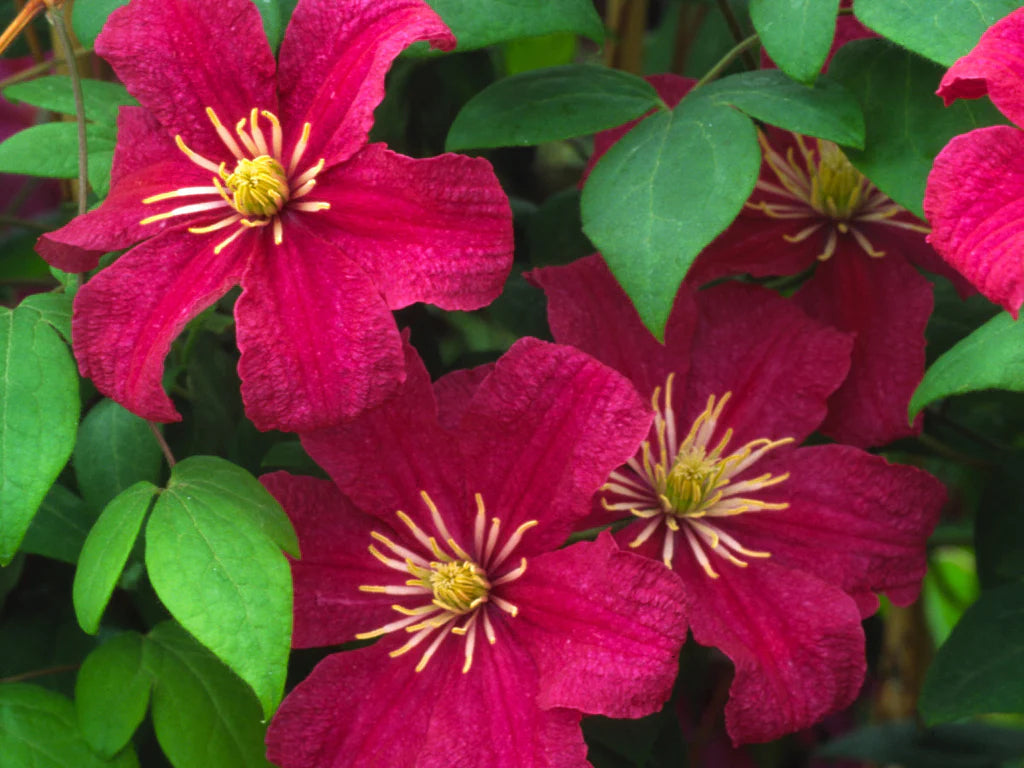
(692, 481)
(837, 188)
(458, 586)
(259, 187)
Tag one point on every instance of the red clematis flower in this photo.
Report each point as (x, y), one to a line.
(781, 549)
(812, 208)
(974, 195)
(492, 640)
(232, 174)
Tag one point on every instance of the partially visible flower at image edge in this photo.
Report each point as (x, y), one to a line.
(974, 198)
(442, 538)
(238, 170)
(781, 548)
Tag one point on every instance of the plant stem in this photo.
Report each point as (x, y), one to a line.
(39, 673)
(164, 447)
(726, 60)
(56, 17)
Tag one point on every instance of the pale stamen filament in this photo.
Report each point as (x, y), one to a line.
(300, 149)
(225, 135)
(216, 225)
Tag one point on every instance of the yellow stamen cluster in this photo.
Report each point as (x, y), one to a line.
(259, 187)
(691, 486)
(822, 187)
(452, 584)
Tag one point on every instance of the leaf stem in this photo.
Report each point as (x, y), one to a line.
(164, 447)
(56, 17)
(726, 60)
(39, 673)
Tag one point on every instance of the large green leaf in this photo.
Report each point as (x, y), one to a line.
(990, 358)
(478, 23)
(51, 149)
(550, 104)
(88, 18)
(942, 30)
(112, 692)
(115, 449)
(38, 729)
(54, 308)
(796, 33)
(977, 670)
(60, 526)
(203, 715)
(826, 109)
(101, 98)
(106, 551)
(213, 552)
(273, 21)
(666, 190)
(38, 418)
(905, 123)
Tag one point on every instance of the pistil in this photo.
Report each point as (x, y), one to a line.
(692, 486)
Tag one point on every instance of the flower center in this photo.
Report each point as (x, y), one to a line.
(259, 188)
(822, 187)
(450, 584)
(691, 486)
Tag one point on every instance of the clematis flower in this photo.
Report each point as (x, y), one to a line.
(237, 170)
(492, 639)
(974, 194)
(812, 209)
(781, 548)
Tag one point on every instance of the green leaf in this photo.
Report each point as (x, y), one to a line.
(88, 18)
(666, 190)
(38, 729)
(60, 526)
(203, 715)
(39, 415)
(990, 358)
(948, 588)
(273, 24)
(999, 525)
(826, 110)
(977, 670)
(796, 33)
(115, 449)
(112, 692)
(213, 555)
(102, 99)
(51, 149)
(905, 123)
(550, 104)
(959, 745)
(54, 308)
(106, 551)
(479, 23)
(941, 30)
(536, 52)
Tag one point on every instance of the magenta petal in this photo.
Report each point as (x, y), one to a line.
(755, 244)
(542, 434)
(455, 390)
(387, 455)
(994, 66)
(779, 364)
(334, 539)
(854, 520)
(333, 61)
(78, 245)
(603, 626)
(589, 310)
(178, 57)
(437, 230)
(126, 317)
(974, 203)
(796, 642)
(318, 343)
(886, 303)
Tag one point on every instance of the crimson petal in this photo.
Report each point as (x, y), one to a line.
(973, 201)
(333, 61)
(123, 326)
(318, 343)
(437, 230)
(202, 55)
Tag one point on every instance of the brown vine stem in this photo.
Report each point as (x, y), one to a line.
(737, 33)
(55, 15)
(164, 447)
(39, 673)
